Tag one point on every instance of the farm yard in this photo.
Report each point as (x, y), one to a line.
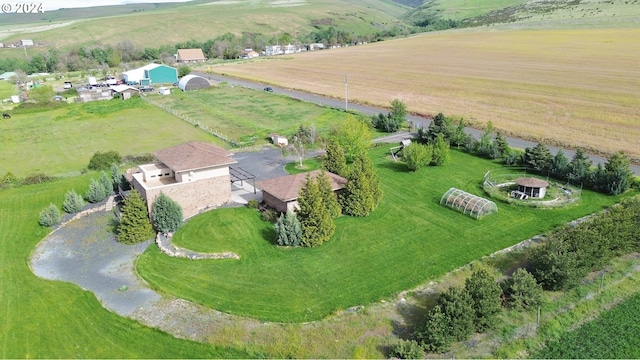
(575, 87)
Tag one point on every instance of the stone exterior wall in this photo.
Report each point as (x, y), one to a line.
(274, 202)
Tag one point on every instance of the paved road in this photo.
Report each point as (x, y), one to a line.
(371, 110)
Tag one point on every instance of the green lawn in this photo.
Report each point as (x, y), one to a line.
(50, 319)
(244, 114)
(62, 141)
(408, 240)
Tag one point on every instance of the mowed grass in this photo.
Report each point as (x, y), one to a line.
(409, 239)
(62, 141)
(243, 114)
(575, 87)
(52, 319)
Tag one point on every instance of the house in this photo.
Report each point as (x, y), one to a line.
(194, 174)
(193, 82)
(189, 56)
(125, 91)
(151, 74)
(249, 54)
(281, 193)
(283, 49)
(279, 140)
(26, 42)
(315, 46)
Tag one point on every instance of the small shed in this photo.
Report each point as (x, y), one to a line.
(164, 90)
(193, 82)
(532, 187)
(279, 140)
(282, 193)
(124, 91)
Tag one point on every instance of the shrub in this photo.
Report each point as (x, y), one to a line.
(103, 161)
(269, 215)
(407, 349)
(73, 202)
(107, 184)
(37, 179)
(522, 291)
(8, 180)
(49, 216)
(166, 214)
(417, 156)
(288, 230)
(96, 192)
(140, 158)
(134, 224)
(253, 204)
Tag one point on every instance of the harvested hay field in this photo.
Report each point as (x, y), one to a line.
(578, 88)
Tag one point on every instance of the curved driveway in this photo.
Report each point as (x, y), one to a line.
(370, 110)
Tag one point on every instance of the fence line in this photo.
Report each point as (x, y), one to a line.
(183, 117)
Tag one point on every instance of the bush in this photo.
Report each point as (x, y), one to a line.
(49, 216)
(73, 202)
(96, 192)
(9, 180)
(269, 215)
(253, 204)
(288, 230)
(103, 161)
(166, 214)
(37, 179)
(107, 184)
(417, 156)
(407, 349)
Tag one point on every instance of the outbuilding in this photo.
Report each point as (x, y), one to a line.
(151, 74)
(193, 82)
(532, 187)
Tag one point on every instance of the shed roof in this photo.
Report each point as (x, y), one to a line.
(192, 82)
(121, 88)
(194, 155)
(190, 55)
(287, 188)
(532, 182)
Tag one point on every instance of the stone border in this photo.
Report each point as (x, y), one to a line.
(166, 246)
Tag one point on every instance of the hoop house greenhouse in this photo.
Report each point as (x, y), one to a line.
(469, 204)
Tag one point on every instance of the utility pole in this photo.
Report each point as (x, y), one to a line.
(346, 92)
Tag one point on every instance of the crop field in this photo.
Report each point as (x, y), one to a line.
(416, 239)
(62, 141)
(248, 115)
(576, 87)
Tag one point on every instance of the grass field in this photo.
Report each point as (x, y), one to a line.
(245, 115)
(47, 319)
(396, 248)
(573, 87)
(62, 141)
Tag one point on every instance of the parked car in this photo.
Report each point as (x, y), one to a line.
(146, 89)
(268, 88)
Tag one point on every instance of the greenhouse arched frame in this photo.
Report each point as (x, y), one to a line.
(469, 204)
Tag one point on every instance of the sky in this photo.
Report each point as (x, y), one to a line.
(50, 5)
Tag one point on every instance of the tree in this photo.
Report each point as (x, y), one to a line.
(522, 290)
(619, 176)
(485, 295)
(107, 184)
(288, 230)
(579, 167)
(49, 216)
(103, 161)
(397, 115)
(501, 144)
(166, 214)
(450, 320)
(354, 136)
(96, 192)
(328, 195)
(408, 349)
(440, 125)
(315, 221)
(362, 193)
(42, 94)
(435, 336)
(417, 156)
(117, 179)
(539, 157)
(554, 264)
(459, 134)
(183, 70)
(560, 165)
(334, 160)
(134, 224)
(440, 151)
(73, 202)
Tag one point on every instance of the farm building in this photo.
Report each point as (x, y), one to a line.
(532, 187)
(94, 94)
(124, 91)
(195, 175)
(279, 140)
(193, 82)
(151, 74)
(467, 203)
(281, 193)
(189, 56)
(26, 42)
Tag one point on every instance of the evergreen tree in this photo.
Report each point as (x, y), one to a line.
(328, 195)
(73, 202)
(501, 144)
(362, 193)
(96, 192)
(554, 264)
(538, 158)
(439, 125)
(334, 160)
(486, 298)
(397, 115)
(417, 156)
(288, 230)
(522, 290)
(315, 221)
(459, 136)
(450, 320)
(49, 216)
(117, 178)
(619, 176)
(560, 165)
(107, 184)
(166, 214)
(579, 168)
(134, 224)
(440, 151)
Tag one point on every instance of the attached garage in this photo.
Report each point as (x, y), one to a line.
(193, 82)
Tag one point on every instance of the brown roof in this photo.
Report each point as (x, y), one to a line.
(190, 55)
(287, 188)
(532, 182)
(194, 155)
